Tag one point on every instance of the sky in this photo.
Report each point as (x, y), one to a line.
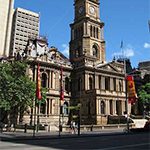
(126, 22)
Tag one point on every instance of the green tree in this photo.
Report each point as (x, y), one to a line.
(144, 96)
(17, 91)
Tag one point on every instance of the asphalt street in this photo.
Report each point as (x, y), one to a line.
(138, 141)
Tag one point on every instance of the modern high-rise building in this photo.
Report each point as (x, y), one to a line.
(25, 25)
(6, 13)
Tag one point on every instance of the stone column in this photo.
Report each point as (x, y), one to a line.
(114, 106)
(46, 108)
(107, 107)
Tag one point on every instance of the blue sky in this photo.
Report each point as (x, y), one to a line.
(125, 20)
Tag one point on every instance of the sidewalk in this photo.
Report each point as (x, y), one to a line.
(20, 135)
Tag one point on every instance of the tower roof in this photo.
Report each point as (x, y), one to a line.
(96, 1)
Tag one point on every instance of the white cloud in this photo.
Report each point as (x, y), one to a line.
(126, 52)
(65, 50)
(129, 52)
(146, 45)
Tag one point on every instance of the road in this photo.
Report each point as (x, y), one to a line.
(140, 141)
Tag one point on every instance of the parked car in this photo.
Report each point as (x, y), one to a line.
(147, 125)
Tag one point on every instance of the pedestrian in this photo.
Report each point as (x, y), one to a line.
(73, 127)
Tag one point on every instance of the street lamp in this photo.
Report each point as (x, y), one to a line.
(79, 106)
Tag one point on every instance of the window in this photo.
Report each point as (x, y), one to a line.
(120, 85)
(97, 33)
(79, 84)
(107, 83)
(102, 106)
(99, 81)
(95, 51)
(43, 108)
(91, 31)
(65, 108)
(67, 84)
(90, 83)
(94, 32)
(89, 108)
(114, 83)
(44, 80)
(111, 107)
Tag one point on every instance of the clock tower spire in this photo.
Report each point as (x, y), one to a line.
(87, 40)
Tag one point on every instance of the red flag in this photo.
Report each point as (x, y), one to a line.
(61, 85)
(38, 84)
(131, 89)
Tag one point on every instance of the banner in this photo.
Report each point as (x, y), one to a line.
(131, 89)
(61, 85)
(38, 84)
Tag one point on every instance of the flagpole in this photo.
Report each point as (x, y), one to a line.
(34, 128)
(59, 116)
(61, 98)
(126, 96)
(38, 97)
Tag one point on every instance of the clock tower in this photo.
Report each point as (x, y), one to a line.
(87, 45)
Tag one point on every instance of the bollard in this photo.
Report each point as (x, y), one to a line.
(25, 128)
(92, 128)
(60, 128)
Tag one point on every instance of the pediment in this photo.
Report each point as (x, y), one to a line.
(111, 67)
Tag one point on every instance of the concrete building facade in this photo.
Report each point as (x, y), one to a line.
(25, 25)
(6, 14)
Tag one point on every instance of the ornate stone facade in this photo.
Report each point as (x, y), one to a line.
(88, 80)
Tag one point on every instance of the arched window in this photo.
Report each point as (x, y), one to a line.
(102, 107)
(44, 80)
(95, 51)
(90, 83)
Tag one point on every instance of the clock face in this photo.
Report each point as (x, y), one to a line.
(92, 10)
(81, 9)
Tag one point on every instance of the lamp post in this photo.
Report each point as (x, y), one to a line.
(79, 105)
(61, 98)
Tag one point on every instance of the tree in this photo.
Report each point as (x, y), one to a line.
(17, 91)
(144, 96)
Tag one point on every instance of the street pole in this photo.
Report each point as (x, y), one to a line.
(126, 96)
(79, 105)
(61, 98)
(59, 116)
(34, 127)
(79, 121)
(38, 119)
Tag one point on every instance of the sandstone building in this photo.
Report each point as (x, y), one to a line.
(90, 82)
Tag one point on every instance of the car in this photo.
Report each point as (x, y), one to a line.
(147, 125)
